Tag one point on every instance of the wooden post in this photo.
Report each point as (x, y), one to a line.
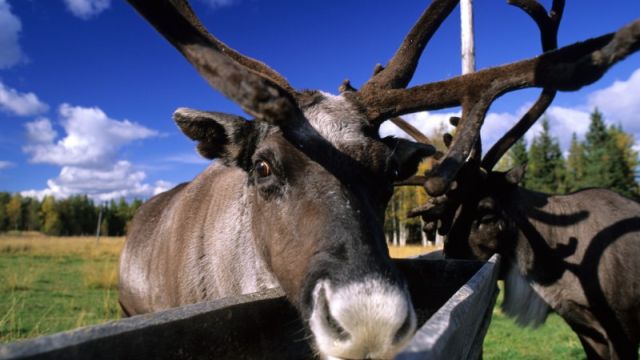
(466, 35)
(99, 224)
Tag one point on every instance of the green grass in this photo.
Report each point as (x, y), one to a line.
(49, 285)
(552, 340)
(43, 294)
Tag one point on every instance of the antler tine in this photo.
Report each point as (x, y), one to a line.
(259, 90)
(252, 64)
(503, 145)
(567, 69)
(405, 126)
(402, 65)
(548, 25)
(467, 136)
(255, 65)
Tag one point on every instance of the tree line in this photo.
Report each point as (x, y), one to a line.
(604, 158)
(75, 215)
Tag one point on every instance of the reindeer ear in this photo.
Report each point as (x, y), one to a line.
(407, 155)
(219, 135)
(516, 174)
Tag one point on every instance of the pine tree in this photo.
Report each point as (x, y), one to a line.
(576, 163)
(518, 152)
(625, 142)
(596, 148)
(4, 218)
(545, 170)
(624, 162)
(609, 157)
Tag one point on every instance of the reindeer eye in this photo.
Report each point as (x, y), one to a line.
(262, 168)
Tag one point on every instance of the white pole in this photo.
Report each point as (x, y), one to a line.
(99, 225)
(468, 53)
(466, 31)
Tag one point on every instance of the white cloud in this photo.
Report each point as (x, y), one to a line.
(427, 122)
(10, 27)
(87, 153)
(22, 104)
(563, 122)
(120, 180)
(92, 138)
(5, 164)
(620, 102)
(40, 132)
(162, 186)
(495, 125)
(191, 159)
(86, 9)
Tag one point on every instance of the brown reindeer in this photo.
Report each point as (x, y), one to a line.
(297, 197)
(572, 253)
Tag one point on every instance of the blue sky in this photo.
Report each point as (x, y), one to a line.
(87, 87)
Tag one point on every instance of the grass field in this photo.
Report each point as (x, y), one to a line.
(55, 284)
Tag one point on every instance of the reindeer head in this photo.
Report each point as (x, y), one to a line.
(481, 225)
(318, 178)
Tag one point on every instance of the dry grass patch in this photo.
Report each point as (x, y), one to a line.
(36, 244)
(100, 275)
(399, 252)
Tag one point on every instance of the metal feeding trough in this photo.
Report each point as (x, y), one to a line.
(453, 298)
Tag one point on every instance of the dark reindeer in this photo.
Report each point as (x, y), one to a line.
(574, 254)
(297, 197)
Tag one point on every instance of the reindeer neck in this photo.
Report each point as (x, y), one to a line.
(537, 250)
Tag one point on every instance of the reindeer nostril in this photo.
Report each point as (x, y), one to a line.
(331, 321)
(404, 329)
(341, 333)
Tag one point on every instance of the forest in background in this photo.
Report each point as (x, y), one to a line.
(75, 215)
(604, 158)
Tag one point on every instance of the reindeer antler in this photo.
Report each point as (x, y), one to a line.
(259, 90)
(565, 69)
(402, 65)
(548, 25)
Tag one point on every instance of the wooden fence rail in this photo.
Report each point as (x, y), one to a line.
(457, 329)
(455, 296)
